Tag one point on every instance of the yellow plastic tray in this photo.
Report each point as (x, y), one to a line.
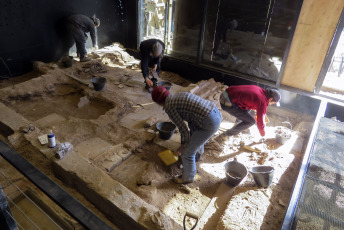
(168, 157)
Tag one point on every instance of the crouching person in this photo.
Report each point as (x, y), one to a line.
(239, 100)
(203, 120)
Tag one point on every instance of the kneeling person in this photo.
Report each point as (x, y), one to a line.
(151, 50)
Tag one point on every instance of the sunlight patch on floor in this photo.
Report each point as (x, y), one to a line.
(216, 170)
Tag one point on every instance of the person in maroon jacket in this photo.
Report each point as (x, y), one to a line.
(239, 100)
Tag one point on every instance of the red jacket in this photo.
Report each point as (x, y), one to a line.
(249, 97)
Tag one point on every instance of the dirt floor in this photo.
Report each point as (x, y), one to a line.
(81, 113)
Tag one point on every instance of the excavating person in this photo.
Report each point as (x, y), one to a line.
(239, 100)
(78, 25)
(203, 120)
(152, 52)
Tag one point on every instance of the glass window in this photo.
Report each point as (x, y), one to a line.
(171, 21)
(248, 37)
(186, 21)
(152, 19)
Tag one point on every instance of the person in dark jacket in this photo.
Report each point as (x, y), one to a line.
(221, 32)
(239, 100)
(152, 51)
(78, 26)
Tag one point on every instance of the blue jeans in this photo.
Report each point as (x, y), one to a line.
(198, 138)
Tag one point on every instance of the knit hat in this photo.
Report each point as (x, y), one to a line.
(275, 95)
(159, 94)
(157, 49)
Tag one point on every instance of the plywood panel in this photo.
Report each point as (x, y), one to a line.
(315, 29)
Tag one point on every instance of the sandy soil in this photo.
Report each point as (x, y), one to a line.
(51, 88)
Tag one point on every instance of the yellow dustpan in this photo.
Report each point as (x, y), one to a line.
(168, 157)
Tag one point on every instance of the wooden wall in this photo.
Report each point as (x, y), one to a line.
(314, 31)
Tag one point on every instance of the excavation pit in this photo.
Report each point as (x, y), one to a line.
(115, 163)
(62, 100)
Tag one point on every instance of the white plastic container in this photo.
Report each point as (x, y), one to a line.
(51, 139)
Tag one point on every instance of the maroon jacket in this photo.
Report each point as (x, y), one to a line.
(249, 97)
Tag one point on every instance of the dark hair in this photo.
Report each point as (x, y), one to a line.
(274, 94)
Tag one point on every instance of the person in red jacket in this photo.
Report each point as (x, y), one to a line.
(239, 100)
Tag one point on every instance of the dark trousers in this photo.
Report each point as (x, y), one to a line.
(246, 119)
(79, 37)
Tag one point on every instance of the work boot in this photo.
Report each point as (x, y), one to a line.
(85, 59)
(179, 180)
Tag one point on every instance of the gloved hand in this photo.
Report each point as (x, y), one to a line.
(155, 67)
(149, 82)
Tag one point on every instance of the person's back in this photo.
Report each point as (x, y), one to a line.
(248, 96)
(147, 45)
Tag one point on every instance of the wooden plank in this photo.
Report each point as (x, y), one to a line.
(209, 90)
(312, 39)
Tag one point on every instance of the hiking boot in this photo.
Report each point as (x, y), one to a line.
(85, 59)
(179, 180)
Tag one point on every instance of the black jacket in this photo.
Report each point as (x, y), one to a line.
(146, 53)
(84, 23)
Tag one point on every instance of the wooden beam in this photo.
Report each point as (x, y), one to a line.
(313, 35)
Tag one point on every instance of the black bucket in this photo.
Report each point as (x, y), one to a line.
(166, 130)
(98, 83)
(262, 175)
(165, 84)
(235, 172)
